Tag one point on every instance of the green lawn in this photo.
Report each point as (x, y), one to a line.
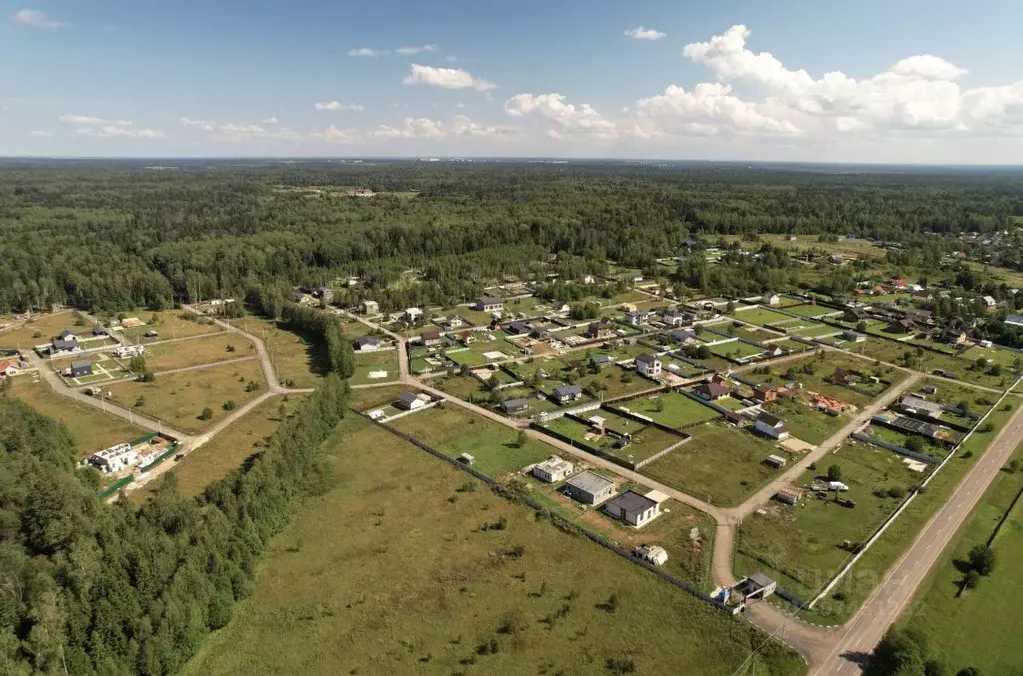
(720, 464)
(736, 350)
(41, 330)
(1008, 359)
(298, 358)
(801, 546)
(980, 628)
(815, 330)
(762, 316)
(671, 409)
(813, 372)
(391, 572)
(806, 423)
(811, 311)
(927, 361)
(384, 360)
(453, 430)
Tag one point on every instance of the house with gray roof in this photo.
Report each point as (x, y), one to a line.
(515, 405)
(920, 406)
(566, 393)
(589, 488)
(632, 508)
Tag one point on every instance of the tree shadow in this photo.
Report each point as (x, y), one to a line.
(858, 658)
(963, 567)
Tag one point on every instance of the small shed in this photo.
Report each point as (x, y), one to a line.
(467, 459)
(655, 554)
(775, 461)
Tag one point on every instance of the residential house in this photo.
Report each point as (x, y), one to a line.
(115, 458)
(492, 304)
(514, 405)
(771, 426)
(990, 303)
(325, 293)
(467, 338)
(431, 338)
(64, 345)
(771, 298)
(920, 406)
(852, 336)
(412, 315)
(675, 317)
(128, 351)
(773, 350)
(600, 360)
(518, 329)
(1014, 320)
(711, 391)
(601, 329)
(855, 314)
(632, 508)
(789, 496)
(637, 318)
(553, 469)
(410, 401)
(100, 331)
(9, 368)
(566, 393)
(541, 333)
(846, 377)
(765, 393)
(902, 326)
(367, 343)
(923, 295)
(370, 307)
(589, 488)
(452, 322)
(81, 368)
(835, 259)
(648, 365)
(919, 316)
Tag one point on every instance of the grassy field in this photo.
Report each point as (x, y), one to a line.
(419, 585)
(736, 350)
(179, 398)
(720, 464)
(179, 354)
(92, 429)
(811, 311)
(374, 397)
(676, 410)
(40, 331)
(171, 324)
(453, 430)
(227, 450)
(815, 330)
(802, 546)
(299, 359)
(927, 361)
(1009, 359)
(960, 628)
(823, 368)
(385, 360)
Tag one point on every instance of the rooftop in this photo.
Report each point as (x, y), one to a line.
(590, 482)
(631, 501)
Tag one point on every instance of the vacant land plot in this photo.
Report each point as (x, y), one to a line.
(806, 423)
(736, 350)
(811, 311)
(1004, 357)
(720, 464)
(91, 428)
(375, 367)
(959, 627)
(672, 409)
(179, 354)
(453, 430)
(646, 440)
(365, 399)
(814, 372)
(803, 545)
(179, 398)
(299, 359)
(763, 316)
(815, 330)
(40, 330)
(863, 578)
(420, 590)
(171, 324)
(226, 451)
(927, 361)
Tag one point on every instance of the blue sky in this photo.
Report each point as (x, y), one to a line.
(866, 81)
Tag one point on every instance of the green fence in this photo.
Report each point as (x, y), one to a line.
(114, 487)
(163, 456)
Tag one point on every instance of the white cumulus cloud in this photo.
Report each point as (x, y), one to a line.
(417, 50)
(448, 78)
(271, 120)
(411, 127)
(335, 135)
(37, 19)
(337, 105)
(365, 51)
(463, 125)
(82, 119)
(570, 119)
(642, 33)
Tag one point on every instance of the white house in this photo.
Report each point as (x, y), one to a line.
(8, 368)
(410, 401)
(771, 298)
(412, 315)
(367, 343)
(127, 351)
(370, 307)
(553, 469)
(589, 279)
(771, 426)
(648, 365)
(493, 304)
(990, 302)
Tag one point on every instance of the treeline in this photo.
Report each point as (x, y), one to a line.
(114, 236)
(87, 588)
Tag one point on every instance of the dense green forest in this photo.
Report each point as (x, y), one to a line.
(118, 235)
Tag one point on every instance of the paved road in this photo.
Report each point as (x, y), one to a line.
(895, 592)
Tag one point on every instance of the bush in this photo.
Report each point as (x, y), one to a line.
(916, 444)
(897, 492)
(971, 580)
(206, 413)
(252, 386)
(229, 405)
(834, 473)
